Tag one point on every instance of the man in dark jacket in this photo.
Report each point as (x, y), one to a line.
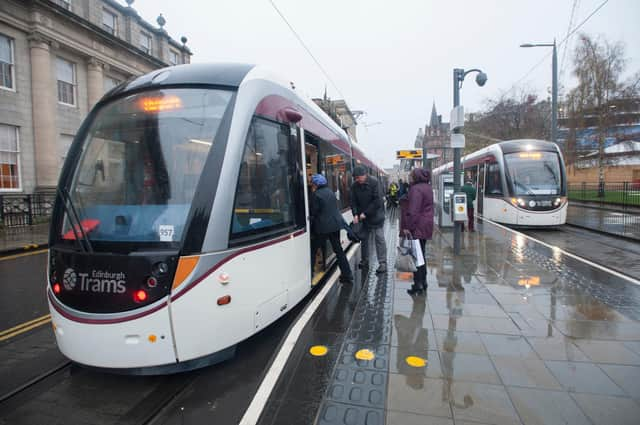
(367, 206)
(471, 196)
(326, 223)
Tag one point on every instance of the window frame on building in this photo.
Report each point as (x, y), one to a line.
(73, 83)
(149, 39)
(106, 12)
(63, 3)
(173, 54)
(11, 65)
(17, 175)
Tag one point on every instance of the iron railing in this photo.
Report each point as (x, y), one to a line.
(26, 210)
(622, 194)
(609, 207)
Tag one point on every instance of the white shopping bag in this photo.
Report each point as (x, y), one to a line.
(417, 252)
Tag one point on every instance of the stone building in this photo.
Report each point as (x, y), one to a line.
(57, 59)
(437, 140)
(339, 111)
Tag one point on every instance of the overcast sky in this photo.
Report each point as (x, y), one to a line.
(393, 59)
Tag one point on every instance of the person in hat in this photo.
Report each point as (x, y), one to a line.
(367, 205)
(326, 223)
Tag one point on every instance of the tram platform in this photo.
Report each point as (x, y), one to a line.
(510, 332)
(21, 239)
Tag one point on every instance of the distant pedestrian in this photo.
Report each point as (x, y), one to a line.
(470, 190)
(367, 206)
(417, 221)
(401, 189)
(326, 223)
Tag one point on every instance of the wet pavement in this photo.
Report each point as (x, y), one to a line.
(510, 332)
(621, 255)
(620, 223)
(15, 239)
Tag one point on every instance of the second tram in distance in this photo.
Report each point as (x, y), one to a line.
(518, 182)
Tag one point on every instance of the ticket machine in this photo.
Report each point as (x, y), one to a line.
(444, 190)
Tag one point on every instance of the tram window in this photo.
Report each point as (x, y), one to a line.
(494, 181)
(267, 193)
(335, 169)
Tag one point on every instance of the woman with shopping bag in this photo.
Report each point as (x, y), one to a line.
(416, 222)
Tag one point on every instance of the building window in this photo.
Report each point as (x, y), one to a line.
(109, 22)
(9, 161)
(174, 58)
(110, 83)
(66, 75)
(63, 3)
(6, 62)
(145, 42)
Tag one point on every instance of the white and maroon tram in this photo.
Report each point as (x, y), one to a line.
(180, 227)
(518, 182)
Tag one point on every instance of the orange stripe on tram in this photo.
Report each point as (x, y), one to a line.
(185, 267)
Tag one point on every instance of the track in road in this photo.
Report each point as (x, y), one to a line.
(612, 252)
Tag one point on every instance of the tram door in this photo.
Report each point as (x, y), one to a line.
(317, 257)
(480, 189)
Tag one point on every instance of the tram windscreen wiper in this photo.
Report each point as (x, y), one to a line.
(76, 224)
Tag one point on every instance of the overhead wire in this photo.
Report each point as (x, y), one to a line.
(295, 33)
(544, 58)
(574, 9)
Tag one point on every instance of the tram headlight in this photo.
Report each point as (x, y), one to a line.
(521, 202)
(558, 202)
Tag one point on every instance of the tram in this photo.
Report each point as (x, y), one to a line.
(518, 182)
(180, 226)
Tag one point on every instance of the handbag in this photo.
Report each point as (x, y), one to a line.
(358, 230)
(404, 258)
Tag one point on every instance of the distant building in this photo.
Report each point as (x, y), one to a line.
(339, 111)
(437, 139)
(57, 59)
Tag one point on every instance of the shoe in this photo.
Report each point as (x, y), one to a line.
(381, 269)
(346, 279)
(363, 265)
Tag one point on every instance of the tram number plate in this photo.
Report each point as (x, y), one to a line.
(544, 203)
(165, 231)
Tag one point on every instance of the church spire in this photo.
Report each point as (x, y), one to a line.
(433, 123)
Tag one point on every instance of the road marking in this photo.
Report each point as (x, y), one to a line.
(252, 415)
(24, 327)
(568, 254)
(12, 257)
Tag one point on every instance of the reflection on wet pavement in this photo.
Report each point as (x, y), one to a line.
(513, 332)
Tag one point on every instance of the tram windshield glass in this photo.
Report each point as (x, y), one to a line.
(534, 173)
(141, 161)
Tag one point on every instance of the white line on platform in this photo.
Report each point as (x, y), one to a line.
(568, 254)
(252, 415)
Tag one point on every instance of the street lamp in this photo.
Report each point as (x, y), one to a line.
(554, 87)
(458, 79)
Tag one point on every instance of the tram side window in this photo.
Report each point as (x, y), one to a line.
(266, 197)
(493, 181)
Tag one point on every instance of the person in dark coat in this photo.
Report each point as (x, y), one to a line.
(417, 220)
(367, 205)
(326, 223)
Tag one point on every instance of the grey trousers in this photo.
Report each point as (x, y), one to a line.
(376, 233)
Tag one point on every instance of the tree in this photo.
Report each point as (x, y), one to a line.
(506, 117)
(598, 66)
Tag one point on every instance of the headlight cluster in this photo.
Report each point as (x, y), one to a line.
(518, 202)
(558, 202)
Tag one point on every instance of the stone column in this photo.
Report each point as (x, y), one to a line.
(95, 81)
(43, 94)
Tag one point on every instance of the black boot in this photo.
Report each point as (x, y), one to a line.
(415, 290)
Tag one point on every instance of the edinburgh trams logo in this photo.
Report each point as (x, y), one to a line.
(96, 281)
(69, 279)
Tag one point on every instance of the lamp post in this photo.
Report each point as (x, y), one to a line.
(458, 79)
(554, 87)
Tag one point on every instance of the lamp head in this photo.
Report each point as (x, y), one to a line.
(481, 78)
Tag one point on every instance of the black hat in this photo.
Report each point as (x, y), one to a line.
(359, 170)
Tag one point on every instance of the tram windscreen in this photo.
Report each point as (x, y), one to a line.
(140, 165)
(534, 173)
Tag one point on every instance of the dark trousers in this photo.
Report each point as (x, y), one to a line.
(334, 240)
(420, 275)
(470, 218)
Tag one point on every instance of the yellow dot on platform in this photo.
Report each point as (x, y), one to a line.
(365, 355)
(318, 350)
(414, 361)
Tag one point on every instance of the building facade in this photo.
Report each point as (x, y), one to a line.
(57, 59)
(437, 140)
(339, 111)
